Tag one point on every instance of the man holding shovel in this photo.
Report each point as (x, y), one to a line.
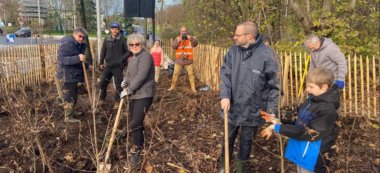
(247, 70)
(70, 71)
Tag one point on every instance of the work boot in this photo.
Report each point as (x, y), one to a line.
(222, 165)
(192, 79)
(240, 166)
(135, 158)
(68, 110)
(177, 72)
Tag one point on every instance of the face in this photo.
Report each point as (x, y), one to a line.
(313, 47)
(315, 90)
(79, 37)
(115, 31)
(241, 37)
(157, 43)
(183, 31)
(135, 47)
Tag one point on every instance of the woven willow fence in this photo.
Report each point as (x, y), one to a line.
(359, 97)
(28, 66)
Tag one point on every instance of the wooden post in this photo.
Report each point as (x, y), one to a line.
(368, 95)
(349, 84)
(291, 79)
(362, 83)
(355, 84)
(374, 86)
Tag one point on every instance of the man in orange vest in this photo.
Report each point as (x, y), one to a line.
(183, 46)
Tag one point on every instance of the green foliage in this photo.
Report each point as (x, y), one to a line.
(353, 29)
(169, 33)
(9, 29)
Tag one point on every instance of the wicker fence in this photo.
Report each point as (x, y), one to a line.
(359, 97)
(25, 66)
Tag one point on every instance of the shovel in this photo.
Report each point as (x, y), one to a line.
(87, 83)
(226, 152)
(105, 167)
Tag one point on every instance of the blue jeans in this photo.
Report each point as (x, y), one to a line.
(246, 135)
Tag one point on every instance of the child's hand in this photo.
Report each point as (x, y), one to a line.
(269, 117)
(267, 132)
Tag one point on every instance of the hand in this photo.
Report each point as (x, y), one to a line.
(189, 37)
(267, 132)
(124, 84)
(124, 93)
(339, 83)
(82, 57)
(102, 66)
(225, 104)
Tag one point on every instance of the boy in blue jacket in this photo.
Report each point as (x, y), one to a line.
(313, 134)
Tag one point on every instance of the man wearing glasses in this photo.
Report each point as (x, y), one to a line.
(248, 70)
(183, 45)
(69, 71)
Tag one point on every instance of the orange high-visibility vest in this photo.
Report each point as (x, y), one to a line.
(184, 48)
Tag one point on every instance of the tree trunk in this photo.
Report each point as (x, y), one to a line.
(82, 14)
(302, 15)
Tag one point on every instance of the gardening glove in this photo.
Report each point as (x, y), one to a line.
(339, 83)
(269, 117)
(124, 84)
(124, 93)
(267, 132)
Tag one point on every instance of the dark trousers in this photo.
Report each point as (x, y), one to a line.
(247, 133)
(116, 72)
(137, 110)
(70, 92)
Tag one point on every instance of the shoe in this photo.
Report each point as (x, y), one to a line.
(222, 165)
(240, 166)
(136, 159)
(68, 110)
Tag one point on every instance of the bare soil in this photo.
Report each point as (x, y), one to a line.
(183, 132)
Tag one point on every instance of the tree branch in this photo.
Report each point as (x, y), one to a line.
(302, 15)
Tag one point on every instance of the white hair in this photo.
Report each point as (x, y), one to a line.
(312, 39)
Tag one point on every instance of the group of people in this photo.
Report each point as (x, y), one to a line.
(249, 84)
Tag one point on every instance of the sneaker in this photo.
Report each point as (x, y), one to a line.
(136, 159)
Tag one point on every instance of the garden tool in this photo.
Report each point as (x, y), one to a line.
(105, 167)
(87, 83)
(226, 149)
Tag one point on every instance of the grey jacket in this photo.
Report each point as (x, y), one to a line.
(140, 76)
(330, 57)
(248, 79)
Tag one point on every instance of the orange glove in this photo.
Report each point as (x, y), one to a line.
(267, 132)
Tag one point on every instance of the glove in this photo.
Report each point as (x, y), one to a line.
(267, 132)
(339, 83)
(124, 93)
(124, 84)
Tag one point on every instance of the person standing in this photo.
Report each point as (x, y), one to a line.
(113, 58)
(325, 53)
(247, 70)
(139, 86)
(158, 58)
(70, 71)
(183, 45)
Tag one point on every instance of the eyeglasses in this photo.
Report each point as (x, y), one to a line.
(238, 35)
(134, 45)
(81, 36)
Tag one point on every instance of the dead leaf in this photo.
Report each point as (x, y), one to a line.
(69, 157)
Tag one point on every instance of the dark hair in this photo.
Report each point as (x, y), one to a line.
(266, 39)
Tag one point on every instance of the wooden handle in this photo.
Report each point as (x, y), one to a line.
(86, 81)
(226, 148)
(117, 120)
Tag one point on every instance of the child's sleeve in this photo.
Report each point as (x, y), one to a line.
(320, 126)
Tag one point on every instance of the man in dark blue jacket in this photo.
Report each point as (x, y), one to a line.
(69, 71)
(113, 58)
(248, 85)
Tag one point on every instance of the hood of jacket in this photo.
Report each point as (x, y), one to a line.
(331, 96)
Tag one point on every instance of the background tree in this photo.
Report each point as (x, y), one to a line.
(9, 11)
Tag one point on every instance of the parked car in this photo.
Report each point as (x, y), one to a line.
(23, 32)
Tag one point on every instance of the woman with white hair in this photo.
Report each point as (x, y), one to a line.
(139, 86)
